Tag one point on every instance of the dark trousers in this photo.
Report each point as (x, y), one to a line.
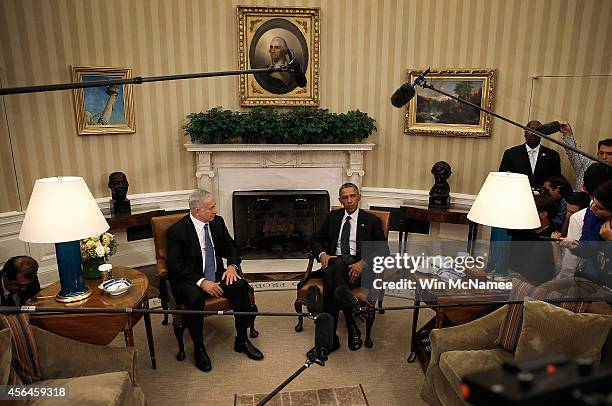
(192, 297)
(336, 275)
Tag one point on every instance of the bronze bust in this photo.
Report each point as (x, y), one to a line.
(118, 184)
(439, 195)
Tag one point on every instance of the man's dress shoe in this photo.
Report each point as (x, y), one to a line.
(202, 361)
(248, 348)
(354, 338)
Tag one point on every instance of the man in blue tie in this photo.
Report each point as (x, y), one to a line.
(196, 246)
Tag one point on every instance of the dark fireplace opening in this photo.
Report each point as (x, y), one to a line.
(277, 223)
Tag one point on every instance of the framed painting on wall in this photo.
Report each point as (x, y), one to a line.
(432, 113)
(275, 36)
(104, 109)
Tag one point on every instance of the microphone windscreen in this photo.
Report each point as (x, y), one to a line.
(549, 128)
(298, 75)
(324, 326)
(344, 297)
(313, 300)
(402, 95)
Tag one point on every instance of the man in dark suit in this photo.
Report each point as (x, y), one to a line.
(532, 159)
(18, 281)
(196, 246)
(339, 247)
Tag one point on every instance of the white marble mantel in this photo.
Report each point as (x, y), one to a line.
(225, 168)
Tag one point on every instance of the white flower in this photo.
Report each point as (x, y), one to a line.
(106, 250)
(100, 251)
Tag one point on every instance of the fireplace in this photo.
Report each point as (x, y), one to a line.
(277, 223)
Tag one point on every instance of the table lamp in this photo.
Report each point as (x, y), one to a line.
(62, 210)
(505, 201)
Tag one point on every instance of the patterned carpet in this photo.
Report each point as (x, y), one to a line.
(345, 396)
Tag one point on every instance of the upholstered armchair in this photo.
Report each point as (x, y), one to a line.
(92, 374)
(315, 278)
(160, 225)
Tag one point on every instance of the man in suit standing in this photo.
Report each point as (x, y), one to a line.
(532, 159)
(338, 246)
(18, 281)
(196, 246)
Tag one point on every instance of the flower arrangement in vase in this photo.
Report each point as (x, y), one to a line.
(95, 251)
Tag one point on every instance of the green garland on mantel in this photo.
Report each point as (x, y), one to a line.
(266, 125)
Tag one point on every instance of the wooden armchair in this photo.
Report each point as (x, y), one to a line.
(160, 225)
(315, 278)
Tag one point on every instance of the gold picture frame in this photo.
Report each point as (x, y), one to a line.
(299, 31)
(432, 113)
(104, 109)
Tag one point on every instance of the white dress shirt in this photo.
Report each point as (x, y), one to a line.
(199, 227)
(532, 153)
(574, 231)
(353, 234)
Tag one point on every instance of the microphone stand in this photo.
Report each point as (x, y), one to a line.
(129, 310)
(423, 83)
(312, 359)
(138, 80)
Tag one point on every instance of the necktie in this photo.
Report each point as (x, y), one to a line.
(345, 248)
(532, 159)
(209, 266)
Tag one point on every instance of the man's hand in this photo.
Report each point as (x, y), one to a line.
(230, 275)
(606, 231)
(325, 259)
(211, 288)
(569, 243)
(566, 128)
(355, 270)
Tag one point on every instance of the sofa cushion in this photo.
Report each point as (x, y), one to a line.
(510, 328)
(25, 352)
(456, 364)
(551, 329)
(6, 356)
(93, 390)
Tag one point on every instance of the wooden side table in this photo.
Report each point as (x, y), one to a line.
(451, 216)
(98, 328)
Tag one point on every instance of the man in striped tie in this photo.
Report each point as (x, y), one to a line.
(196, 246)
(338, 246)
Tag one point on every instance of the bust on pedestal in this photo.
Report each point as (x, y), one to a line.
(439, 195)
(118, 184)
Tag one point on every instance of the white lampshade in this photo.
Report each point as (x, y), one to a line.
(61, 209)
(505, 201)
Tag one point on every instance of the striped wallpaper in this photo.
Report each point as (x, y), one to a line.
(366, 47)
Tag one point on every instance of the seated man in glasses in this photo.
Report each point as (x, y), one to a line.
(18, 281)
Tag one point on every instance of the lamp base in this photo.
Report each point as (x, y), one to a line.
(74, 297)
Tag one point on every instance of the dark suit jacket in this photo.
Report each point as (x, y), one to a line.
(368, 229)
(516, 160)
(184, 255)
(24, 296)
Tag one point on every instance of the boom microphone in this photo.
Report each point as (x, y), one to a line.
(313, 300)
(296, 70)
(406, 91)
(549, 128)
(346, 300)
(324, 340)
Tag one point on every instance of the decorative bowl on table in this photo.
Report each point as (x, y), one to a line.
(116, 287)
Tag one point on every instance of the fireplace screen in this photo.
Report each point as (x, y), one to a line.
(277, 223)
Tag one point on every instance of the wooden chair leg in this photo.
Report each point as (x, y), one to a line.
(178, 332)
(370, 317)
(164, 306)
(298, 308)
